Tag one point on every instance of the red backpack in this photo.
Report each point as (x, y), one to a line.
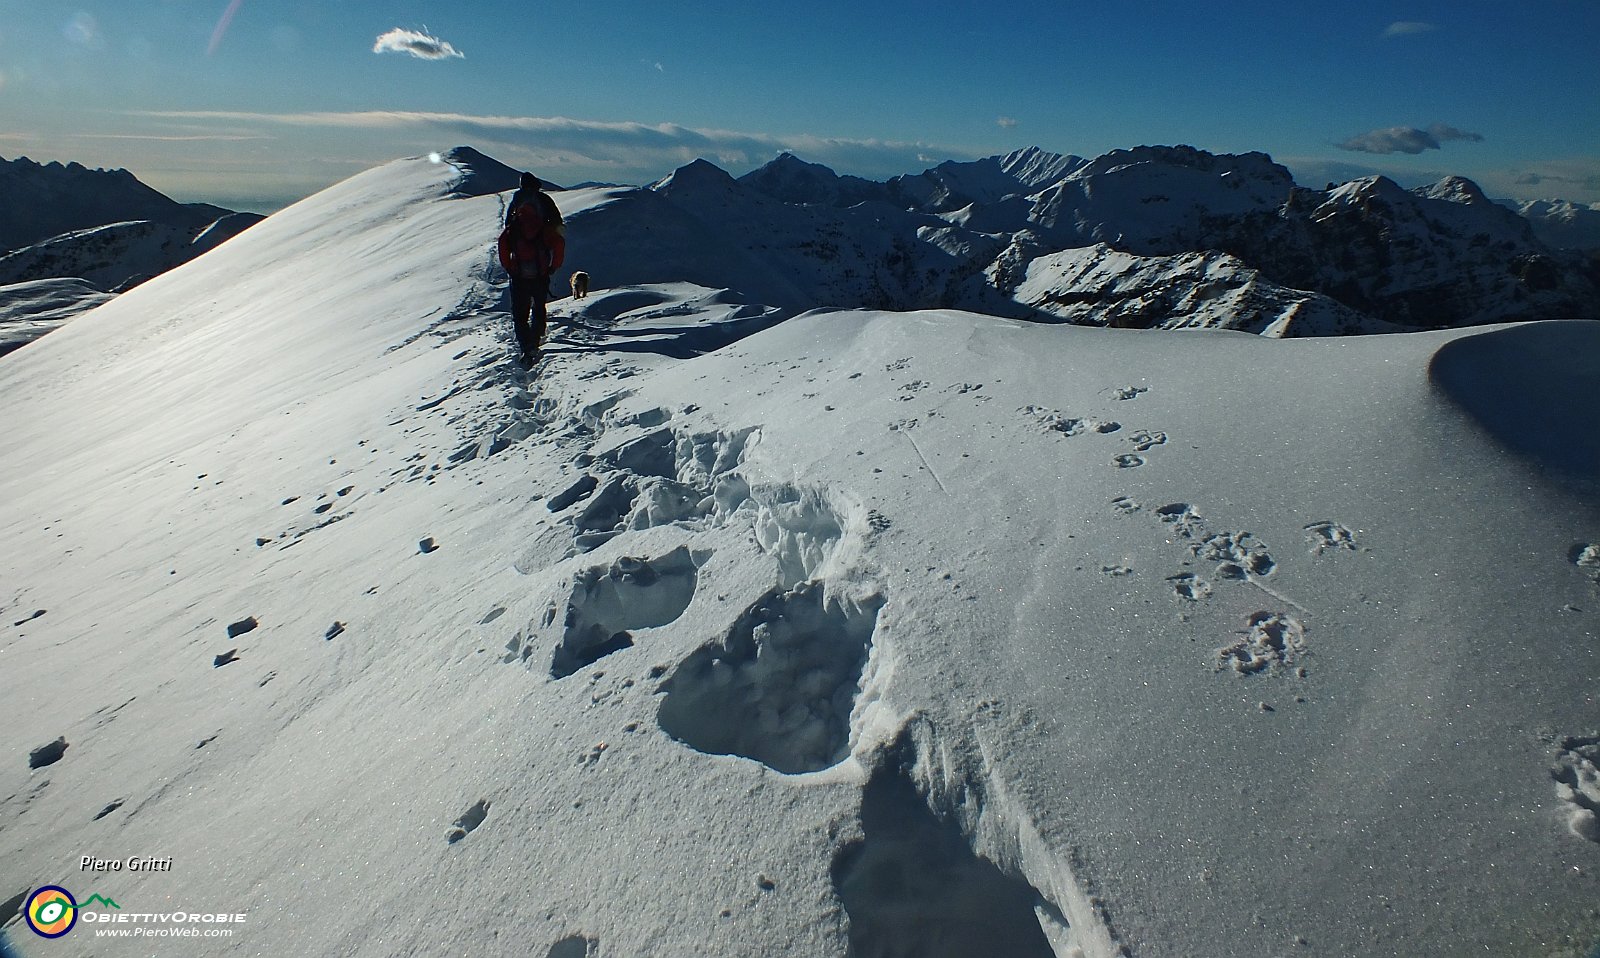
(531, 245)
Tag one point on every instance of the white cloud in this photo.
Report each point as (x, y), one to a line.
(1006, 122)
(1406, 28)
(419, 45)
(1407, 139)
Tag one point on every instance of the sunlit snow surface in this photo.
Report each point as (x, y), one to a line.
(726, 633)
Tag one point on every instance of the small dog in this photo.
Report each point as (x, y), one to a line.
(580, 284)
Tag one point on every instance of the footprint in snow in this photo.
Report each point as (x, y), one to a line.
(1577, 777)
(1587, 558)
(574, 946)
(1326, 534)
(609, 603)
(1182, 517)
(469, 821)
(1055, 421)
(1270, 640)
(779, 686)
(1189, 587)
(1144, 440)
(1238, 555)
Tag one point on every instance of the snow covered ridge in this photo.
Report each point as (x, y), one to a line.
(119, 256)
(738, 632)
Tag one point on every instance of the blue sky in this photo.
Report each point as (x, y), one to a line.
(254, 103)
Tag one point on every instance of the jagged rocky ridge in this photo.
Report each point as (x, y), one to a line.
(990, 235)
(43, 200)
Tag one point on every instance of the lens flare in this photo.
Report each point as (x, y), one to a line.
(222, 26)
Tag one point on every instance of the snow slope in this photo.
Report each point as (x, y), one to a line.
(868, 633)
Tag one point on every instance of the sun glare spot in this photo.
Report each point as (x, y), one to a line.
(435, 158)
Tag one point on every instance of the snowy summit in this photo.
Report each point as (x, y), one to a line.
(926, 623)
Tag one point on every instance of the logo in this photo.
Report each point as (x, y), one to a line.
(51, 911)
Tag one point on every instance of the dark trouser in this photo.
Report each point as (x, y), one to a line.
(528, 297)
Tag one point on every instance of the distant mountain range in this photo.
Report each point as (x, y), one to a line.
(70, 235)
(1164, 237)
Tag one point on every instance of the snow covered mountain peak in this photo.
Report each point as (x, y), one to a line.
(698, 179)
(1036, 168)
(1456, 189)
(482, 174)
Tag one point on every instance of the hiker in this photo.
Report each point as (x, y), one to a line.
(532, 246)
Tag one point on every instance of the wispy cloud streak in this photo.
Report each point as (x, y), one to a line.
(596, 148)
(1407, 28)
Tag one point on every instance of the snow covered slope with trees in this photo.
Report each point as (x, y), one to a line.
(867, 633)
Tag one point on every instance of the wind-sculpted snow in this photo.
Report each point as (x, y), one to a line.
(1506, 379)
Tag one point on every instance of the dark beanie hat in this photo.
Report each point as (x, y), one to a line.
(530, 182)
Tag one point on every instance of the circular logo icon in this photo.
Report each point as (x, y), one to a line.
(51, 911)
